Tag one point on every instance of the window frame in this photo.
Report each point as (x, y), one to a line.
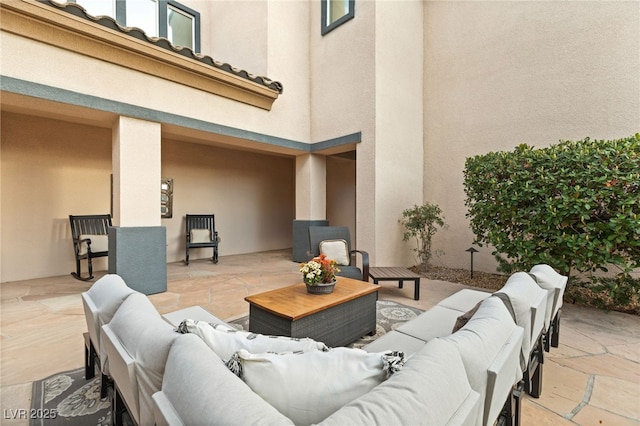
(163, 14)
(120, 9)
(327, 28)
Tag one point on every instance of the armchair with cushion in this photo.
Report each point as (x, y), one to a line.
(335, 243)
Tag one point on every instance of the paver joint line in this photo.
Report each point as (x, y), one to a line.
(585, 399)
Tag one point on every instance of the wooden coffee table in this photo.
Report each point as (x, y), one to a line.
(336, 319)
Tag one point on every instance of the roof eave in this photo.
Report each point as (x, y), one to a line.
(37, 21)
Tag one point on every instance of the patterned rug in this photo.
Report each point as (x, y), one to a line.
(68, 399)
(389, 315)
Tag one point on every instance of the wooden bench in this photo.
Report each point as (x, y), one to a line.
(90, 240)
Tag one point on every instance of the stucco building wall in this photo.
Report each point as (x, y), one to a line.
(421, 84)
(498, 74)
(51, 169)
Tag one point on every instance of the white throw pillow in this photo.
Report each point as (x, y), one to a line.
(98, 243)
(200, 236)
(310, 386)
(225, 341)
(336, 250)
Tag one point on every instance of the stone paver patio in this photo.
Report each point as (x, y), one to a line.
(593, 378)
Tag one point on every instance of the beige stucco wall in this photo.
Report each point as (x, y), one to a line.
(399, 128)
(230, 38)
(252, 196)
(342, 102)
(51, 169)
(75, 72)
(498, 74)
(341, 192)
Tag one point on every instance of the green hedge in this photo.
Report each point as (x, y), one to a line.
(574, 205)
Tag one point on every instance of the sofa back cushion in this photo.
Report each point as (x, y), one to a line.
(309, 386)
(197, 388)
(431, 389)
(555, 284)
(106, 294)
(147, 338)
(480, 342)
(528, 303)
(100, 303)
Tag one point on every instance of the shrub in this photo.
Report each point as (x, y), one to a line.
(574, 205)
(421, 222)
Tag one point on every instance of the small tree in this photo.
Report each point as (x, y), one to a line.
(421, 223)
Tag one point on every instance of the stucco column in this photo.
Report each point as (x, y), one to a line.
(136, 172)
(311, 187)
(311, 202)
(137, 242)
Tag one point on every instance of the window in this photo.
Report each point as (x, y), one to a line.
(180, 27)
(336, 13)
(157, 18)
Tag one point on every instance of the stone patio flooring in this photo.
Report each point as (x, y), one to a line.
(593, 378)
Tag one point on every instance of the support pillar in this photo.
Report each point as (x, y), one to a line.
(311, 186)
(311, 202)
(138, 242)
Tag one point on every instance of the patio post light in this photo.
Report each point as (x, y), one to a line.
(471, 250)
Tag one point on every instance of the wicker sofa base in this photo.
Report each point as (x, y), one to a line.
(335, 326)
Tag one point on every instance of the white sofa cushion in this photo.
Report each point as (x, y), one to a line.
(100, 303)
(528, 303)
(198, 388)
(555, 284)
(431, 389)
(307, 387)
(197, 313)
(480, 342)
(436, 322)
(147, 338)
(225, 341)
(464, 300)
(98, 243)
(337, 250)
(200, 236)
(394, 340)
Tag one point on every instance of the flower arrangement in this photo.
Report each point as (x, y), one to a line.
(320, 269)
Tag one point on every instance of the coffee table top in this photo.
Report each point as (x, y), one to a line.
(391, 273)
(294, 302)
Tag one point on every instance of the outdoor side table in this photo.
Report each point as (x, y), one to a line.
(392, 273)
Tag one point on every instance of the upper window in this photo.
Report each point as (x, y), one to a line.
(157, 18)
(336, 13)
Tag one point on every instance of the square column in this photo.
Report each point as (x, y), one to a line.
(136, 162)
(311, 186)
(311, 201)
(137, 242)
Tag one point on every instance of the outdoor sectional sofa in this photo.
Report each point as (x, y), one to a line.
(469, 376)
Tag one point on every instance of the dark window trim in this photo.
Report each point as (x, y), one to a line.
(162, 17)
(324, 28)
(163, 7)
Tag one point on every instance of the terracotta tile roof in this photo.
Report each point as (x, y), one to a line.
(109, 22)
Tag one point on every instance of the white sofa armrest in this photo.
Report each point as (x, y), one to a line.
(123, 371)
(503, 373)
(164, 412)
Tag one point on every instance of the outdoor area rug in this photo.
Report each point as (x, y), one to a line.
(389, 315)
(68, 399)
